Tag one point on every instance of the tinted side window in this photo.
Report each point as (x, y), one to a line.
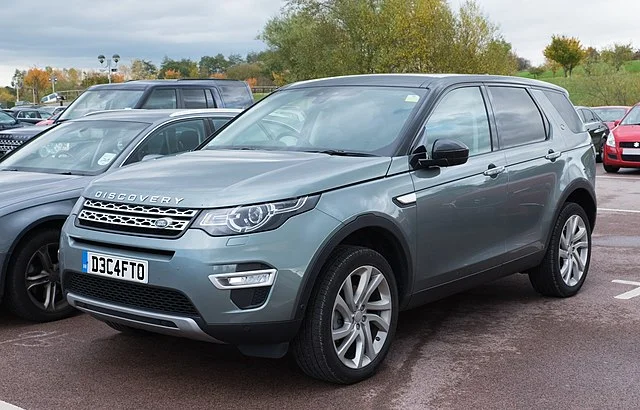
(171, 139)
(518, 119)
(194, 98)
(161, 98)
(461, 115)
(210, 101)
(566, 110)
(235, 94)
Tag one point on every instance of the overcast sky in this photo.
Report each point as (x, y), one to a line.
(71, 33)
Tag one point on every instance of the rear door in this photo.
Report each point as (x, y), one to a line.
(597, 129)
(534, 166)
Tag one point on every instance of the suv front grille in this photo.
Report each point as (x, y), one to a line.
(135, 219)
(129, 294)
(629, 144)
(7, 145)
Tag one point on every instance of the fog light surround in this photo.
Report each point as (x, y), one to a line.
(244, 280)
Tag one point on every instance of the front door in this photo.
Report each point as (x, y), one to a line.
(460, 209)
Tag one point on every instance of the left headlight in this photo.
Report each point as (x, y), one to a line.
(253, 218)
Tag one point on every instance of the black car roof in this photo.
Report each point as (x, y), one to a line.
(144, 84)
(418, 81)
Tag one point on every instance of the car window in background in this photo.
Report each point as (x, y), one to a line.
(589, 116)
(172, 139)
(633, 117)
(518, 119)
(566, 110)
(235, 94)
(162, 98)
(194, 98)
(461, 115)
(82, 147)
(366, 120)
(98, 100)
(6, 119)
(610, 114)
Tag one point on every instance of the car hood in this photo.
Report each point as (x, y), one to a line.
(211, 179)
(627, 133)
(27, 187)
(11, 126)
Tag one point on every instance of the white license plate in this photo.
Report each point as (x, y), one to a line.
(133, 270)
(630, 151)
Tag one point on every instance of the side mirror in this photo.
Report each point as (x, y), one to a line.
(446, 153)
(151, 157)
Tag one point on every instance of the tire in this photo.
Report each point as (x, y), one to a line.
(36, 262)
(125, 329)
(610, 169)
(547, 279)
(314, 348)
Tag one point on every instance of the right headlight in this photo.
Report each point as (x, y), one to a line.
(611, 140)
(253, 218)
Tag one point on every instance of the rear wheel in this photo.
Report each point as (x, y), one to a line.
(34, 291)
(566, 263)
(610, 169)
(351, 319)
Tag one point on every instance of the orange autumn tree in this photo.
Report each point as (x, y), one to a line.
(172, 74)
(36, 80)
(253, 82)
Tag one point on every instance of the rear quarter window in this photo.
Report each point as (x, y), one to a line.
(235, 94)
(518, 118)
(566, 110)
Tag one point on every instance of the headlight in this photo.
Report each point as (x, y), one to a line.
(611, 140)
(253, 218)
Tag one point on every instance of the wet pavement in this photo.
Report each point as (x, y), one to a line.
(499, 346)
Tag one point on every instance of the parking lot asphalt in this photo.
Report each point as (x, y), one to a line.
(499, 346)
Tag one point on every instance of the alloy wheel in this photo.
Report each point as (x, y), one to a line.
(574, 250)
(42, 279)
(361, 317)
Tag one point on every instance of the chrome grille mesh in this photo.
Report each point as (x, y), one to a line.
(7, 145)
(135, 219)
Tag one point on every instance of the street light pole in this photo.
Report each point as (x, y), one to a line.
(115, 58)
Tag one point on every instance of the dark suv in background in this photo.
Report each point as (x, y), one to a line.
(161, 94)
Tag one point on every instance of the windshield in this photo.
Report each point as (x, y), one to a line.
(633, 117)
(6, 119)
(364, 120)
(610, 114)
(103, 99)
(82, 147)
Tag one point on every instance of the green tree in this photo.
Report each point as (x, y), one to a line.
(537, 71)
(143, 70)
(319, 38)
(617, 55)
(186, 67)
(566, 51)
(244, 71)
(235, 59)
(209, 65)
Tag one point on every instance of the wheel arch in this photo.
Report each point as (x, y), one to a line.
(51, 221)
(370, 230)
(582, 193)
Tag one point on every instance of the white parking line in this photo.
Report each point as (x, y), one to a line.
(619, 211)
(6, 406)
(629, 178)
(632, 293)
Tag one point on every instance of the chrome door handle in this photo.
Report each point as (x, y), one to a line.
(494, 171)
(552, 156)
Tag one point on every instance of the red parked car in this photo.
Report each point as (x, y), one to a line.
(611, 113)
(622, 148)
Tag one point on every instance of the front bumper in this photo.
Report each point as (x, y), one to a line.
(614, 157)
(184, 265)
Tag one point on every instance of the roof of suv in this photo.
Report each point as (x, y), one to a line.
(419, 80)
(144, 84)
(155, 115)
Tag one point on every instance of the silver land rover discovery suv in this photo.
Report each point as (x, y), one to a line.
(317, 215)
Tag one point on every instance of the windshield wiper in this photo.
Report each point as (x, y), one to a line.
(341, 153)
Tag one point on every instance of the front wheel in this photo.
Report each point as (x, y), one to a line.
(33, 282)
(351, 319)
(566, 263)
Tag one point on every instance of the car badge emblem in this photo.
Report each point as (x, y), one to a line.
(163, 222)
(637, 144)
